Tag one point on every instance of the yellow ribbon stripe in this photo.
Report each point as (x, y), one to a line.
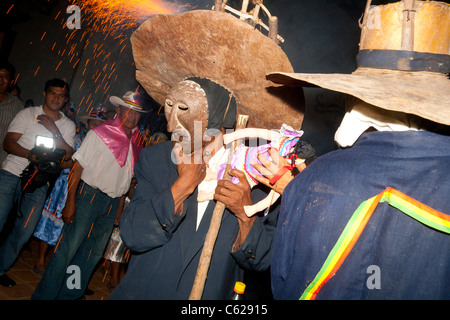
(417, 210)
(413, 208)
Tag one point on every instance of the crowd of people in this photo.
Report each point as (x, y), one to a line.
(92, 155)
(369, 220)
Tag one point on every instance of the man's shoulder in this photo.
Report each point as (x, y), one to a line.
(29, 113)
(69, 124)
(13, 101)
(158, 150)
(91, 135)
(157, 153)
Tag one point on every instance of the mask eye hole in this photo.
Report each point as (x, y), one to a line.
(169, 103)
(183, 107)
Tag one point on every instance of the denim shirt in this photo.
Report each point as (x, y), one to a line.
(412, 259)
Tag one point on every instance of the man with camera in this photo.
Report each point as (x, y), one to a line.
(26, 172)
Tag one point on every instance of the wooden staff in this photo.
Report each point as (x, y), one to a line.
(273, 29)
(218, 6)
(244, 6)
(408, 25)
(363, 25)
(216, 220)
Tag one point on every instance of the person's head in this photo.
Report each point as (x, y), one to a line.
(129, 109)
(197, 109)
(95, 117)
(15, 90)
(56, 94)
(128, 117)
(70, 111)
(110, 114)
(6, 76)
(92, 123)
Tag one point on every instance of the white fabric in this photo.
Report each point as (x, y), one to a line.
(25, 122)
(219, 158)
(101, 169)
(363, 116)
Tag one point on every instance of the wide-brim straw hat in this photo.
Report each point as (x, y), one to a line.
(407, 75)
(131, 100)
(218, 46)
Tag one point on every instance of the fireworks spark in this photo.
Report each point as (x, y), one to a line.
(113, 18)
(120, 13)
(93, 51)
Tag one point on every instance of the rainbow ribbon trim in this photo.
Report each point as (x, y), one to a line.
(413, 208)
(132, 103)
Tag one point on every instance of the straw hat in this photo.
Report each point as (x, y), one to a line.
(130, 99)
(396, 71)
(218, 46)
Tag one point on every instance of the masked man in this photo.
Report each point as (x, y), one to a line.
(371, 220)
(165, 224)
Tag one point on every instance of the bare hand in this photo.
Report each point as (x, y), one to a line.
(270, 168)
(48, 123)
(191, 168)
(32, 158)
(68, 213)
(235, 196)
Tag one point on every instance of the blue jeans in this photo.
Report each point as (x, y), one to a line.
(29, 210)
(81, 244)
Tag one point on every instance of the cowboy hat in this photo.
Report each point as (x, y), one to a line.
(217, 46)
(389, 76)
(130, 99)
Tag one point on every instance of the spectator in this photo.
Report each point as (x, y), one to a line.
(70, 111)
(101, 175)
(10, 105)
(111, 114)
(49, 228)
(45, 120)
(15, 90)
(28, 103)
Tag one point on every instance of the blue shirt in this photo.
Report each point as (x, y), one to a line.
(167, 246)
(412, 260)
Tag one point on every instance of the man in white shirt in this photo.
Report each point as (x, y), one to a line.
(101, 175)
(48, 121)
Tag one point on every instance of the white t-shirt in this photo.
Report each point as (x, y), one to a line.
(101, 169)
(25, 122)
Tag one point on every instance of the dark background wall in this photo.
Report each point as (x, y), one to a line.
(320, 36)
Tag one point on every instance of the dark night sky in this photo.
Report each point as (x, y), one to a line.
(320, 36)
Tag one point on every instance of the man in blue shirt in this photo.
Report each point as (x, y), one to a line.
(371, 220)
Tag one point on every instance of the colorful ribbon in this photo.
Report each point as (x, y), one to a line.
(413, 208)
